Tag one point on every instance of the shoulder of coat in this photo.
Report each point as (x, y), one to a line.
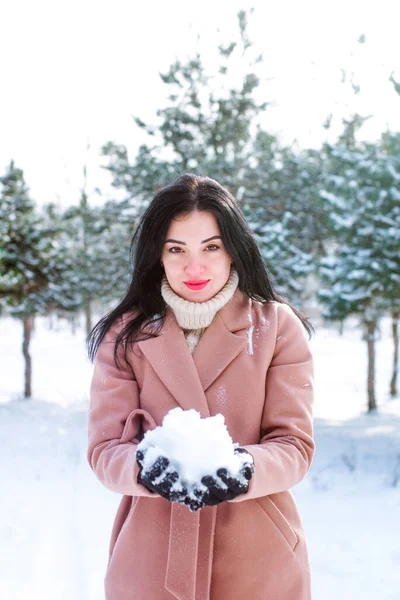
(289, 322)
(266, 310)
(275, 312)
(122, 321)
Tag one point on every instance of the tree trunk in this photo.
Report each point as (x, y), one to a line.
(28, 326)
(395, 331)
(371, 327)
(72, 321)
(88, 315)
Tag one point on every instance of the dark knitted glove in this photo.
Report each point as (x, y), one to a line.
(161, 478)
(223, 487)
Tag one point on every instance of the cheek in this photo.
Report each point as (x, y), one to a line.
(219, 262)
(172, 261)
(224, 260)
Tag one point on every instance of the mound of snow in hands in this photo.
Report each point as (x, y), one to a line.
(195, 447)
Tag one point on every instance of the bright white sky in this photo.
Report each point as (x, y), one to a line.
(74, 72)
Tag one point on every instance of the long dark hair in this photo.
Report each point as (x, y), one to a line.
(143, 298)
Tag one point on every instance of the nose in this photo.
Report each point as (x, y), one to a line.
(194, 267)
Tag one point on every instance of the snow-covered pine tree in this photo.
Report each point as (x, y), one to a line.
(286, 214)
(32, 264)
(287, 264)
(391, 148)
(287, 179)
(207, 126)
(362, 274)
(98, 239)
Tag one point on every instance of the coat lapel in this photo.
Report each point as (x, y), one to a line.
(188, 376)
(170, 357)
(222, 341)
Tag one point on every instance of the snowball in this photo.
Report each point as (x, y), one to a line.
(194, 446)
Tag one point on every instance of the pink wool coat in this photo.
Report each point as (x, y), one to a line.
(253, 365)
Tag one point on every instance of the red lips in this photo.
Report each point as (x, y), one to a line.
(196, 285)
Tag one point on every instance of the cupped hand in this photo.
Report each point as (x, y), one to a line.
(223, 486)
(161, 478)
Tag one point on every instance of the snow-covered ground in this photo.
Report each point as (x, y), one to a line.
(56, 518)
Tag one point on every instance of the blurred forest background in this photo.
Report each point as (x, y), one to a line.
(327, 219)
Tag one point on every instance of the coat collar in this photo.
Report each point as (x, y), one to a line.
(188, 376)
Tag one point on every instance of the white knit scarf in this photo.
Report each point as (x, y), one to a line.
(195, 317)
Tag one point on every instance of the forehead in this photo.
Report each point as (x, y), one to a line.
(194, 224)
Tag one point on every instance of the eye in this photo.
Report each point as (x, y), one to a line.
(212, 247)
(175, 250)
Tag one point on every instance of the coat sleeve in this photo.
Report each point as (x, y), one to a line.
(114, 420)
(286, 449)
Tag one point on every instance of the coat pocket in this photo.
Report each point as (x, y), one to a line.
(281, 523)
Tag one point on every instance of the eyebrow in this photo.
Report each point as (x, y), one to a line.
(214, 237)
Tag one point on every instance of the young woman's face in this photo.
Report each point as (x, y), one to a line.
(196, 263)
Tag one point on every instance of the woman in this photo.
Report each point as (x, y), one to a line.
(201, 327)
